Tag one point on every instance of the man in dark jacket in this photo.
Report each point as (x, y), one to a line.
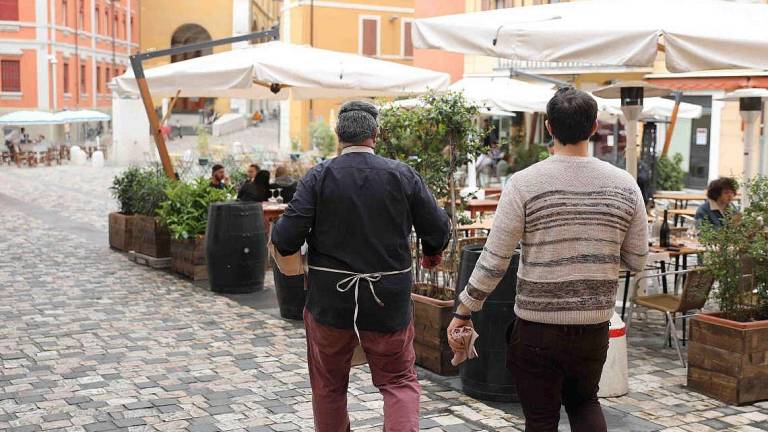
(356, 213)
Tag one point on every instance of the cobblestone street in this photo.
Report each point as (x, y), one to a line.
(93, 342)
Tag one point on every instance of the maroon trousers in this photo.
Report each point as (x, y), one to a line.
(391, 359)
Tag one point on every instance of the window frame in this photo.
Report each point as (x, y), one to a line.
(361, 34)
(403, 23)
(17, 79)
(65, 78)
(13, 16)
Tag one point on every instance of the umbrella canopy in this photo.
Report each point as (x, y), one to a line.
(28, 118)
(610, 32)
(277, 70)
(80, 116)
(505, 94)
(652, 107)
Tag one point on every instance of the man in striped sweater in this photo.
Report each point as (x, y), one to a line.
(579, 219)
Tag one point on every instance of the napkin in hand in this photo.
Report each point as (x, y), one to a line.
(466, 337)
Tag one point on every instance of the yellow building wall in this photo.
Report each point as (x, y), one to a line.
(161, 18)
(337, 28)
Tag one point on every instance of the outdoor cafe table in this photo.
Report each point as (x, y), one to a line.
(677, 214)
(272, 211)
(492, 191)
(477, 206)
(681, 199)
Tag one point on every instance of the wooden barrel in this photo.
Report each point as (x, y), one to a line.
(236, 247)
(487, 377)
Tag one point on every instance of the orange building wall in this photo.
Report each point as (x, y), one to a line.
(451, 63)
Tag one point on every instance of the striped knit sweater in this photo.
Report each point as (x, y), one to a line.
(579, 219)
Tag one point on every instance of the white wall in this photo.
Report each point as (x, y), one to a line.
(131, 141)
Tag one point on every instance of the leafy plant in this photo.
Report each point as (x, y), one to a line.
(737, 256)
(295, 145)
(322, 138)
(203, 139)
(185, 213)
(670, 173)
(150, 190)
(124, 189)
(525, 157)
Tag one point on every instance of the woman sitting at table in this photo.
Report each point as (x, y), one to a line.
(720, 195)
(256, 187)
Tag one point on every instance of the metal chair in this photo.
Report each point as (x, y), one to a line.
(696, 287)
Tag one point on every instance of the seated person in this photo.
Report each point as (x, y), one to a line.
(720, 195)
(219, 179)
(285, 182)
(256, 187)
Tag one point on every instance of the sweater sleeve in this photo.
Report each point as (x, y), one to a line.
(634, 248)
(505, 234)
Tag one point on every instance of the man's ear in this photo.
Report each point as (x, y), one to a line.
(549, 128)
(594, 128)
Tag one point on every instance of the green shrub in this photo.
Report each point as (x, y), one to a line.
(670, 173)
(322, 138)
(124, 189)
(150, 190)
(185, 212)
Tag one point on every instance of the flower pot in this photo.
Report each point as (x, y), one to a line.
(728, 360)
(188, 258)
(121, 231)
(150, 237)
(430, 319)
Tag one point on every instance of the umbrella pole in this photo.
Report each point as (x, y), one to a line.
(154, 126)
(672, 123)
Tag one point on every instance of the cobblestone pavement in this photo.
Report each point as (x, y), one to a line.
(92, 342)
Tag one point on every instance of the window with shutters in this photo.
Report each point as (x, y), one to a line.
(98, 19)
(99, 85)
(9, 10)
(114, 25)
(65, 77)
(10, 75)
(407, 39)
(106, 21)
(125, 28)
(107, 74)
(81, 15)
(369, 36)
(82, 79)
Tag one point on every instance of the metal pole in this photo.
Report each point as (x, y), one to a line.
(632, 107)
(749, 108)
(454, 218)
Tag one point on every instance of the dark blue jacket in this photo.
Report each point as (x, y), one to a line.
(356, 213)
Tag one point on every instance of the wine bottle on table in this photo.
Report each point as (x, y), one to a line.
(664, 232)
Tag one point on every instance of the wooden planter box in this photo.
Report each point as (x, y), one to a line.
(728, 360)
(121, 231)
(431, 318)
(150, 237)
(188, 258)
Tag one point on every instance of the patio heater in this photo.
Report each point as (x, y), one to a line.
(631, 94)
(750, 107)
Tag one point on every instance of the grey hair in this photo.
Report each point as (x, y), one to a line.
(357, 122)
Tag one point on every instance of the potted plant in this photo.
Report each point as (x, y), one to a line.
(728, 350)
(435, 138)
(121, 223)
(322, 138)
(150, 236)
(185, 213)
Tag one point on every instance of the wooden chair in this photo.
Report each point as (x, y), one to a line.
(696, 287)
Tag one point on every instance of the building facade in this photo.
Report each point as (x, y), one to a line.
(375, 28)
(60, 54)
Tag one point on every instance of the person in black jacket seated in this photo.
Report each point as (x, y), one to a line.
(256, 187)
(285, 183)
(356, 212)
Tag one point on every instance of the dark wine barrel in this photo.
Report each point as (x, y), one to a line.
(290, 294)
(236, 247)
(487, 377)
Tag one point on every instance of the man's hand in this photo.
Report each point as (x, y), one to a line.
(430, 262)
(457, 323)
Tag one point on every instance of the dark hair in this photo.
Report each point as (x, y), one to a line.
(571, 114)
(357, 122)
(716, 187)
(256, 167)
(216, 168)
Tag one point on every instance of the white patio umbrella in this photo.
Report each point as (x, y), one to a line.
(505, 94)
(627, 33)
(81, 116)
(28, 118)
(277, 70)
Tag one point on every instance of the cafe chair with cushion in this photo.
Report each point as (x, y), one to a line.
(696, 287)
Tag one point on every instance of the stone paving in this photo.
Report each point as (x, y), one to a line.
(92, 342)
